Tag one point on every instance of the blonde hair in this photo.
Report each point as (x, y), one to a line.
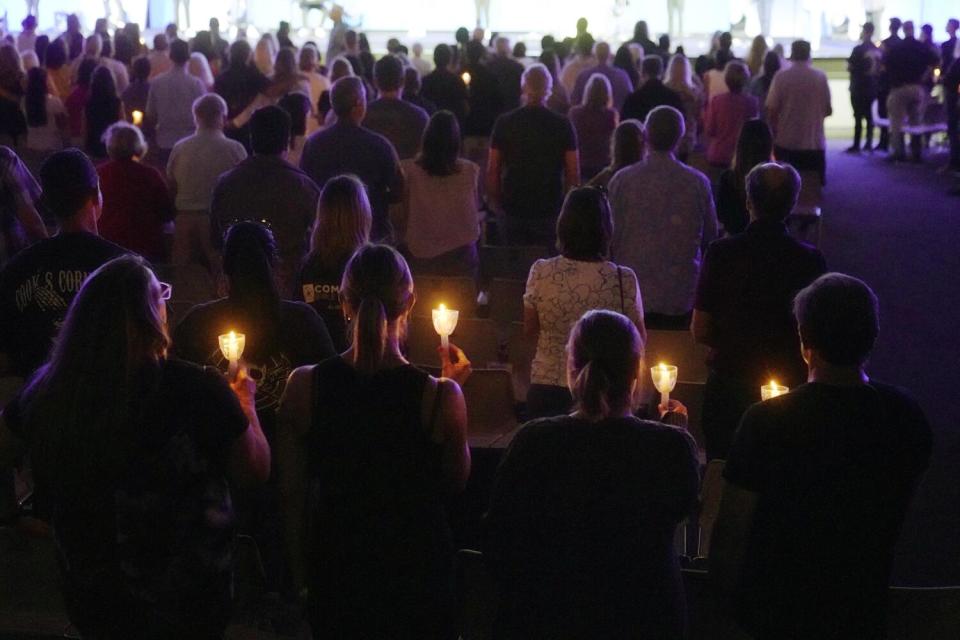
(679, 73)
(343, 221)
(199, 68)
(598, 93)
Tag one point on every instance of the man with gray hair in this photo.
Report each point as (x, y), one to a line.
(169, 103)
(532, 163)
(743, 305)
(348, 147)
(664, 218)
(195, 164)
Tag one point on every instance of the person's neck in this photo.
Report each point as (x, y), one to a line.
(79, 223)
(392, 353)
(535, 102)
(621, 412)
(209, 131)
(665, 155)
(837, 376)
(391, 95)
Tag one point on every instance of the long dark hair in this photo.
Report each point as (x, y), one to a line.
(249, 258)
(441, 145)
(771, 65)
(36, 98)
(754, 146)
(624, 60)
(80, 405)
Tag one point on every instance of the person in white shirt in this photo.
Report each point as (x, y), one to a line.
(309, 58)
(28, 37)
(170, 99)
(93, 50)
(417, 61)
(581, 62)
(797, 104)
(195, 164)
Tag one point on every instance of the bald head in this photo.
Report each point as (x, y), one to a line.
(602, 51)
(209, 111)
(536, 84)
(772, 191)
(664, 128)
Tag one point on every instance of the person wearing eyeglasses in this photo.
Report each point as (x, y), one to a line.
(39, 283)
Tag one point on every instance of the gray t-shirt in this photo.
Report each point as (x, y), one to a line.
(399, 122)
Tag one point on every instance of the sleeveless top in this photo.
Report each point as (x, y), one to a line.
(380, 552)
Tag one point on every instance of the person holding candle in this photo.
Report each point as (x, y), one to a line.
(559, 290)
(742, 309)
(134, 456)
(369, 446)
(818, 483)
(584, 507)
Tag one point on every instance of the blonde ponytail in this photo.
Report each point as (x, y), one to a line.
(369, 335)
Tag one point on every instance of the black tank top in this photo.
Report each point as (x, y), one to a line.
(380, 550)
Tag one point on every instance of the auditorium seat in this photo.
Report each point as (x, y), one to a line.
(509, 262)
(476, 595)
(491, 405)
(455, 293)
(711, 489)
(679, 349)
(506, 299)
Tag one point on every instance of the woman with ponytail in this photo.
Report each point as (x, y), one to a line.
(368, 448)
(584, 508)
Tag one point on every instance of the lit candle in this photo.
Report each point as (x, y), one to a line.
(772, 390)
(137, 118)
(445, 322)
(231, 346)
(664, 379)
(465, 76)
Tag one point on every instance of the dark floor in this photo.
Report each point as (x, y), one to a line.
(895, 227)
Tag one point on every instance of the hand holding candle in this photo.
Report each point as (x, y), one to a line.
(231, 346)
(664, 379)
(445, 322)
(772, 390)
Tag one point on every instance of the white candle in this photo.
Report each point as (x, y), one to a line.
(772, 390)
(445, 323)
(664, 378)
(137, 118)
(466, 78)
(231, 346)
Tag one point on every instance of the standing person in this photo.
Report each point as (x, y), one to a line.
(951, 87)
(533, 162)
(948, 47)
(417, 61)
(73, 37)
(145, 539)
(239, 85)
(487, 101)
(627, 149)
(558, 102)
(887, 45)
(13, 125)
(907, 65)
(76, 102)
(679, 79)
(266, 188)
(160, 56)
(58, 70)
(52, 270)
(585, 506)
(441, 216)
(818, 483)
(651, 93)
(727, 114)
(93, 49)
(760, 85)
(582, 61)
(195, 164)
(136, 203)
(507, 71)
(372, 158)
(309, 63)
(170, 101)
(758, 51)
(443, 87)
(46, 118)
(102, 110)
(400, 122)
(864, 66)
(342, 226)
(411, 91)
(369, 446)
(620, 84)
(594, 122)
(754, 146)
(561, 289)
(663, 220)
(742, 311)
(135, 96)
(19, 201)
(798, 103)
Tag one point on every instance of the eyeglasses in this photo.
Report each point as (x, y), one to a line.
(166, 290)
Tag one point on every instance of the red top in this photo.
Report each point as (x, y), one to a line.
(725, 118)
(136, 204)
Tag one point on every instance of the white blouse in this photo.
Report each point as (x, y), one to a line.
(561, 290)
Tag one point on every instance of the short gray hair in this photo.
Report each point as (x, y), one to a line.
(346, 94)
(207, 108)
(537, 81)
(124, 141)
(665, 128)
(772, 190)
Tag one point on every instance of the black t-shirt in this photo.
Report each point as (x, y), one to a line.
(835, 469)
(907, 62)
(447, 91)
(533, 142)
(864, 67)
(320, 288)
(36, 288)
(580, 528)
(154, 546)
(486, 101)
(300, 338)
(653, 93)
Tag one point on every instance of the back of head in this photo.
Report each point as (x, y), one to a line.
(869, 29)
(269, 131)
(93, 45)
(347, 94)
(640, 31)
(585, 225)
(537, 83)
(584, 45)
(800, 51)
(736, 75)
(771, 64)
(664, 127)
(652, 67)
(440, 147)
(85, 72)
(461, 35)
(102, 86)
(603, 362)
(240, 53)
(772, 190)
(140, 69)
(627, 144)
(441, 56)
(598, 94)
(411, 81)
(249, 256)
(838, 318)
(726, 40)
(895, 24)
(124, 141)
(285, 64)
(378, 288)
(679, 72)
(209, 111)
(602, 52)
(297, 108)
(343, 221)
(340, 68)
(56, 54)
(754, 146)
(909, 29)
(388, 73)
(160, 42)
(475, 52)
(179, 52)
(309, 57)
(69, 180)
(520, 50)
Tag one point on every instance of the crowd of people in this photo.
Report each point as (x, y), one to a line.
(309, 192)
